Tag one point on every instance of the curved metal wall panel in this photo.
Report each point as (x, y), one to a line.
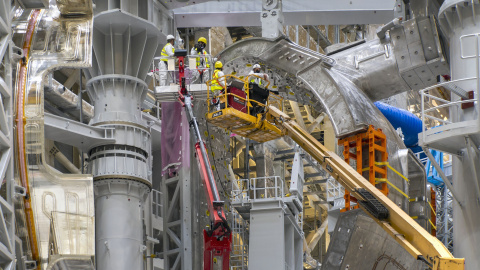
(311, 78)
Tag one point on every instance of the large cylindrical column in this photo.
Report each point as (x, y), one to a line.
(461, 20)
(123, 47)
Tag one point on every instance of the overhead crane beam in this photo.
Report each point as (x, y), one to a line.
(307, 12)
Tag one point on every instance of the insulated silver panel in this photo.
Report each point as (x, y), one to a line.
(361, 244)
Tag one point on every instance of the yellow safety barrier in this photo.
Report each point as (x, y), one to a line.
(242, 121)
(431, 207)
(385, 180)
(391, 168)
(430, 221)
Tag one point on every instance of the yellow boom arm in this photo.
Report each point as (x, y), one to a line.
(408, 233)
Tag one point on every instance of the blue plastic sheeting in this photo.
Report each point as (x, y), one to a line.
(410, 124)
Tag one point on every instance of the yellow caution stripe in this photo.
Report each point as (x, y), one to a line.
(385, 180)
(391, 168)
(431, 207)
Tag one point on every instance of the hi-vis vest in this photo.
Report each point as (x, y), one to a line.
(199, 59)
(215, 83)
(164, 52)
(256, 80)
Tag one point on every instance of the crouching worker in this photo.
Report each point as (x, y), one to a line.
(217, 87)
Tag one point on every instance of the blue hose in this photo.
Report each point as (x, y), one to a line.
(410, 124)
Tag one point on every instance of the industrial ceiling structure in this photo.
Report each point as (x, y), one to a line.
(235, 135)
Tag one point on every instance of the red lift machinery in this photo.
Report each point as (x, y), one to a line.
(217, 238)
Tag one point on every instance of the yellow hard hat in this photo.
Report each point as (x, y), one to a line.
(202, 39)
(218, 64)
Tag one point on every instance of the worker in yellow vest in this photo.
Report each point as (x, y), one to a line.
(218, 86)
(258, 92)
(257, 77)
(167, 53)
(202, 67)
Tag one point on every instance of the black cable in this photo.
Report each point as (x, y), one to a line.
(225, 223)
(214, 162)
(226, 226)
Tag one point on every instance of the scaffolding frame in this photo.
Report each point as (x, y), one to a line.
(369, 147)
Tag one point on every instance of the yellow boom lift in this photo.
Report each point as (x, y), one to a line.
(234, 114)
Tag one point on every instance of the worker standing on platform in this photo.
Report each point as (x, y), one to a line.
(259, 77)
(167, 53)
(218, 86)
(202, 67)
(257, 83)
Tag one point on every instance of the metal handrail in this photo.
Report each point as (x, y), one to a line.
(447, 82)
(187, 66)
(438, 119)
(240, 191)
(254, 75)
(450, 104)
(246, 88)
(263, 191)
(437, 98)
(225, 94)
(475, 100)
(250, 190)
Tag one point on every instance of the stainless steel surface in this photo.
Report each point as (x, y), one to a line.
(358, 242)
(71, 263)
(419, 194)
(424, 8)
(67, 101)
(366, 65)
(272, 18)
(410, 57)
(419, 53)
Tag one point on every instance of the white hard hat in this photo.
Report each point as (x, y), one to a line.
(169, 37)
(256, 66)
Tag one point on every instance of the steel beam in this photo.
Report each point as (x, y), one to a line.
(315, 182)
(442, 175)
(315, 123)
(310, 175)
(177, 222)
(296, 111)
(306, 12)
(7, 214)
(75, 133)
